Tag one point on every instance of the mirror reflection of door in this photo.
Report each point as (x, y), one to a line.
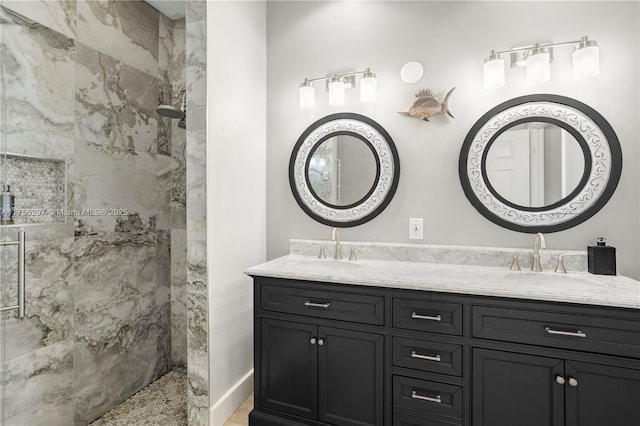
(534, 164)
(342, 170)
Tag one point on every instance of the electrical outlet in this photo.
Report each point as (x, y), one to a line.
(416, 228)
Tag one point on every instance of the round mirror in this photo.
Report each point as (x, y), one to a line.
(344, 170)
(540, 163)
(535, 164)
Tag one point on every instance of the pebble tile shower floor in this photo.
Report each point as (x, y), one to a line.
(163, 402)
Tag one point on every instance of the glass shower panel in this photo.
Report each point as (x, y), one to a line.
(3, 229)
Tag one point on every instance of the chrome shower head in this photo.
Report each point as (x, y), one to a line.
(169, 111)
(175, 112)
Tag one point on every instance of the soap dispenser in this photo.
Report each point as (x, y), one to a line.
(601, 258)
(8, 201)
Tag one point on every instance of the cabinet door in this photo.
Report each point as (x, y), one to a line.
(516, 389)
(350, 375)
(288, 367)
(602, 395)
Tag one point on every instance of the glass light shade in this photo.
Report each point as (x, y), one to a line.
(336, 92)
(493, 71)
(538, 66)
(307, 96)
(368, 88)
(586, 61)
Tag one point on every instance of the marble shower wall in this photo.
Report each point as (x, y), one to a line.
(171, 178)
(82, 82)
(196, 160)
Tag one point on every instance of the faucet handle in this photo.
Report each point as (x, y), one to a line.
(352, 254)
(515, 265)
(321, 255)
(560, 267)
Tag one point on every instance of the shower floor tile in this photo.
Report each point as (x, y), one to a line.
(163, 402)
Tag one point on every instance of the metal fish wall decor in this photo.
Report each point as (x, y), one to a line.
(427, 105)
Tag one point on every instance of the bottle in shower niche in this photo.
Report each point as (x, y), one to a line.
(8, 204)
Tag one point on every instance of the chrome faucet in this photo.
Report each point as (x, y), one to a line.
(335, 236)
(539, 243)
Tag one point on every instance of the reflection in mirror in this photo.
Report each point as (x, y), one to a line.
(535, 164)
(342, 170)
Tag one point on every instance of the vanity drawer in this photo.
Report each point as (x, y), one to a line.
(401, 419)
(591, 333)
(428, 396)
(426, 315)
(328, 304)
(425, 355)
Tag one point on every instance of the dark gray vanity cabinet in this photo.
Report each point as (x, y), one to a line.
(351, 355)
(571, 383)
(330, 374)
(512, 388)
(315, 369)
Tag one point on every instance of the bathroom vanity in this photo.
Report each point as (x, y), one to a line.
(379, 342)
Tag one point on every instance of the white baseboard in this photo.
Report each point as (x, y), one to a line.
(231, 400)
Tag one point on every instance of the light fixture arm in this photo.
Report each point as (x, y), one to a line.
(583, 40)
(347, 74)
(537, 58)
(336, 84)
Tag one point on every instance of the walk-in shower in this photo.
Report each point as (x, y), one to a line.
(93, 261)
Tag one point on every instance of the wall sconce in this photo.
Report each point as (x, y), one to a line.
(537, 60)
(336, 85)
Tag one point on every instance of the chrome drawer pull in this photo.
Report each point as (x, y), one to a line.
(317, 305)
(426, 317)
(427, 357)
(415, 395)
(565, 333)
(573, 382)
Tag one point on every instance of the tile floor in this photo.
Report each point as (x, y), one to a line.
(163, 402)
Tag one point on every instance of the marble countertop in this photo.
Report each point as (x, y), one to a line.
(574, 287)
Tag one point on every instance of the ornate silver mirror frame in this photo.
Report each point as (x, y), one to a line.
(383, 188)
(600, 145)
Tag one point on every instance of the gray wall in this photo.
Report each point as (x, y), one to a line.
(236, 193)
(451, 39)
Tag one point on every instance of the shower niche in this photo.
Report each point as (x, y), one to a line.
(39, 186)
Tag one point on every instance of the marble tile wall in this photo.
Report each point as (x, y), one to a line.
(83, 80)
(126, 30)
(171, 176)
(196, 167)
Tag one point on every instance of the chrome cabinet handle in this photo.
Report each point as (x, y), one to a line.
(21, 269)
(317, 305)
(312, 341)
(320, 342)
(415, 395)
(426, 357)
(426, 317)
(573, 382)
(577, 333)
(560, 380)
